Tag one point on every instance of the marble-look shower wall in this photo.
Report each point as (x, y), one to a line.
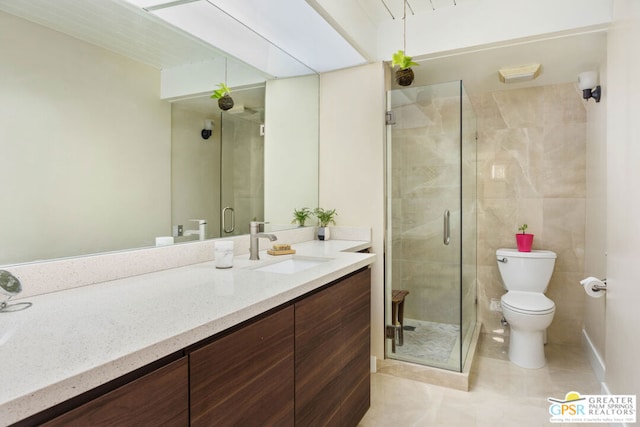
(532, 169)
(425, 174)
(244, 150)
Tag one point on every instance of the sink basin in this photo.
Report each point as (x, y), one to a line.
(292, 265)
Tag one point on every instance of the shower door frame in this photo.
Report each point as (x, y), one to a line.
(466, 283)
(241, 192)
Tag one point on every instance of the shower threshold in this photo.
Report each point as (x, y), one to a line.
(410, 368)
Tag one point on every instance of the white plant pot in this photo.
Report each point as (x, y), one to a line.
(323, 233)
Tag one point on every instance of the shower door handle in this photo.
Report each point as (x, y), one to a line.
(447, 229)
(224, 220)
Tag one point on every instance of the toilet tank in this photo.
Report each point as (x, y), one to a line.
(525, 271)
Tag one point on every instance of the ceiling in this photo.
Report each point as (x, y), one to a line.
(292, 32)
(117, 26)
(382, 10)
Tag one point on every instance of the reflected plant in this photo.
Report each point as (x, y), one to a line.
(300, 216)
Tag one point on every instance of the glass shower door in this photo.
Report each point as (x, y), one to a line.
(241, 172)
(430, 253)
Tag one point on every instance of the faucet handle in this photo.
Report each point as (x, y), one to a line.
(254, 226)
(199, 221)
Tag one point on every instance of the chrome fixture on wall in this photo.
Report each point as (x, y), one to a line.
(588, 84)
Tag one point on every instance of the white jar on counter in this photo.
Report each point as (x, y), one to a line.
(224, 254)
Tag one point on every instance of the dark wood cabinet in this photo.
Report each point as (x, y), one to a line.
(246, 378)
(332, 341)
(306, 364)
(160, 398)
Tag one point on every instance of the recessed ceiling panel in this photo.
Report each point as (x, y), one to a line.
(212, 25)
(296, 28)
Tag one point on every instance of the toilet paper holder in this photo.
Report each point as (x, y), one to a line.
(596, 287)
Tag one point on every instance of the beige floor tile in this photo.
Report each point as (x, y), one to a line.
(502, 394)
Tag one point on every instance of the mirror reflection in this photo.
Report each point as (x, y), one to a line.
(95, 159)
(221, 178)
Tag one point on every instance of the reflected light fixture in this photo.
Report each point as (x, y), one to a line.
(588, 84)
(208, 128)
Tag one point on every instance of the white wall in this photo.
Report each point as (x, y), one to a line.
(352, 105)
(623, 205)
(195, 170)
(595, 259)
(85, 142)
(291, 147)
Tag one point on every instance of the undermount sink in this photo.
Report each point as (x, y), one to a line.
(292, 265)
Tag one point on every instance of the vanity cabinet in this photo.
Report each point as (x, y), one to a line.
(246, 378)
(332, 334)
(158, 398)
(304, 364)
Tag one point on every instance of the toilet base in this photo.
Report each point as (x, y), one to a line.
(526, 348)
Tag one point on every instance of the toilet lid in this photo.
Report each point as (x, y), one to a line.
(528, 302)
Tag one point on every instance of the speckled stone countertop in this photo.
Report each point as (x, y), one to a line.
(71, 341)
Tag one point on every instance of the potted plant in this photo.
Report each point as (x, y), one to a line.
(300, 216)
(325, 217)
(524, 240)
(404, 74)
(222, 94)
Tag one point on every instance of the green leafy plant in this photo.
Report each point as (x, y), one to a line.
(300, 216)
(401, 60)
(523, 228)
(325, 217)
(222, 90)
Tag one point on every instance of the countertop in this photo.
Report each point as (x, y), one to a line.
(74, 340)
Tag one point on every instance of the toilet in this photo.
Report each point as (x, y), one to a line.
(528, 311)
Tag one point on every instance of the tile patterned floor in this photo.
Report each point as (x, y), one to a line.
(501, 394)
(428, 341)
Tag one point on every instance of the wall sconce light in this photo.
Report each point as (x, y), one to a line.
(208, 127)
(588, 84)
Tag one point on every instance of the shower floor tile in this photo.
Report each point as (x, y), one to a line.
(428, 341)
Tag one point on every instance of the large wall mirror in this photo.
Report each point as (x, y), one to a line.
(95, 161)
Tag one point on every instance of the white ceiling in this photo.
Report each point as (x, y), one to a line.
(383, 10)
(144, 36)
(117, 26)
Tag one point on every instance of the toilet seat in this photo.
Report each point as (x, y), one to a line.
(532, 303)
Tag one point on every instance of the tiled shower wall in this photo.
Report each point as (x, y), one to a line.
(425, 159)
(532, 169)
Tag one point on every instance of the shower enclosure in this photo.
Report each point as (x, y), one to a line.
(430, 257)
(241, 172)
(221, 178)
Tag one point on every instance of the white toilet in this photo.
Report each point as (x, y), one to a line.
(529, 312)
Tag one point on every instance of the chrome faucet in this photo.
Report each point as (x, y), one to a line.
(201, 231)
(254, 246)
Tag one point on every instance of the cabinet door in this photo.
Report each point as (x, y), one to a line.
(246, 377)
(156, 399)
(318, 359)
(356, 348)
(332, 353)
